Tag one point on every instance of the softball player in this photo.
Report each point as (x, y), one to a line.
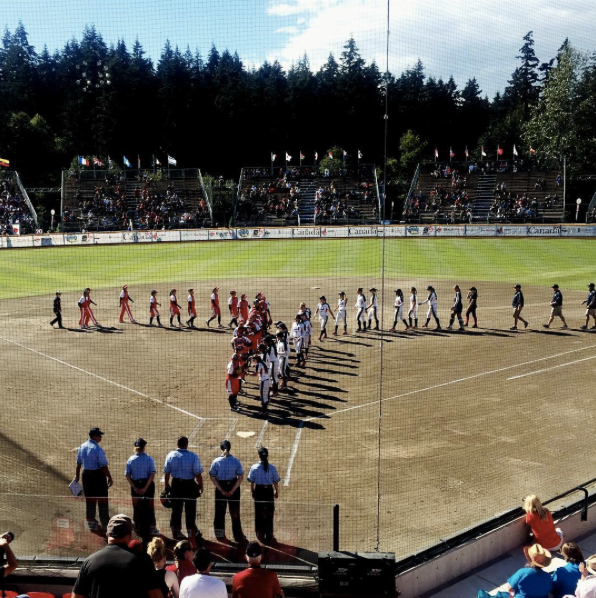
(518, 305)
(399, 309)
(272, 362)
(432, 307)
(472, 304)
(215, 311)
(456, 310)
(88, 303)
(283, 352)
(124, 307)
(307, 331)
(233, 382)
(413, 311)
(361, 307)
(192, 308)
(84, 319)
(174, 309)
(297, 335)
(323, 310)
(243, 307)
(341, 313)
(262, 371)
(153, 311)
(373, 309)
(233, 307)
(590, 304)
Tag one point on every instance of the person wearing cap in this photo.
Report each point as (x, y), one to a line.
(432, 307)
(262, 371)
(174, 309)
(532, 581)
(86, 312)
(413, 311)
(256, 582)
(140, 473)
(590, 304)
(243, 307)
(373, 308)
(233, 371)
(324, 310)
(556, 308)
(96, 479)
(272, 361)
(234, 309)
(115, 571)
(192, 308)
(399, 310)
(518, 305)
(360, 306)
(283, 354)
(264, 487)
(297, 335)
(153, 311)
(456, 310)
(227, 474)
(307, 327)
(201, 584)
(124, 307)
(215, 311)
(184, 469)
(341, 314)
(472, 304)
(88, 303)
(57, 309)
(586, 586)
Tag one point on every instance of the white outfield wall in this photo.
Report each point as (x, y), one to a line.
(317, 232)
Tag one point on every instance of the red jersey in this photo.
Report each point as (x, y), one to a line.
(255, 582)
(233, 303)
(191, 304)
(243, 306)
(173, 301)
(124, 295)
(215, 300)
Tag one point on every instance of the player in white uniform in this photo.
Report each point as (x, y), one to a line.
(432, 307)
(413, 311)
(272, 362)
(361, 307)
(341, 315)
(297, 335)
(283, 353)
(323, 309)
(307, 333)
(262, 371)
(373, 309)
(399, 310)
(153, 311)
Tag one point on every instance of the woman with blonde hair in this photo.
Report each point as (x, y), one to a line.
(168, 582)
(541, 522)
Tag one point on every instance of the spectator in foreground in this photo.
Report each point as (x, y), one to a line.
(183, 566)
(167, 580)
(586, 586)
(11, 561)
(541, 522)
(201, 584)
(565, 578)
(115, 571)
(531, 581)
(255, 582)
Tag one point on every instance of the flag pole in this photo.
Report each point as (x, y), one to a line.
(300, 157)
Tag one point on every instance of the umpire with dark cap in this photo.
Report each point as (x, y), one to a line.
(96, 479)
(57, 309)
(227, 474)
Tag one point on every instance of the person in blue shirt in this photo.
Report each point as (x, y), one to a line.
(532, 581)
(565, 578)
(556, 308)
(264, 486)
(518, 305)
(590, 304)
(96, 480)
(227, 474)
(140, 473)
(184, 468)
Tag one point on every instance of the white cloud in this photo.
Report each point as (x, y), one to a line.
(463, 38)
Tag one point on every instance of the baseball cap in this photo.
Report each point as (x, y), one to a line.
(253, 550)
(589, 286)
(95, 432)
(359, 288)
(232, 292)
(119, 526)
(517, 286)
(342, 293)
(373, 289)
(141, 442)
(555, 286)
(225, 445)
(322, 297)
(58, 293)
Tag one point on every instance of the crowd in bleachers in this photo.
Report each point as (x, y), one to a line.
(507, 205)
(333, 204)
(276, 198)
(14, 210)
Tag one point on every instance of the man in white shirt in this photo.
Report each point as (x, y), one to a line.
(201, 585)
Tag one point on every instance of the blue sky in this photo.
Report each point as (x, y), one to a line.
(460, 37)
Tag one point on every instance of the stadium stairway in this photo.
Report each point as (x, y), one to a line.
(484, 196)
(306, 205)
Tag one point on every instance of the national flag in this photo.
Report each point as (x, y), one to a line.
(110, 163)
(288, 157)
(172, 161)
(345, 154)
(4, 162)
(127, 163)
(467, 153)
(499, 151)
(532, 151)
(139, 161)
(514, 150)
(97, 161)
(482, 152)
(302, 156)
(436, 153)
(451, 153)
(360, 155)
(157, 162)
(83, 161)
(331, 155)
(273, 157)
(316, 156)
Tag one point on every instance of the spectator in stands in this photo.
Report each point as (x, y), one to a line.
(11, 561)
(115, 571)
(255, 582)
(167, 580)
(532, 581)
(541, 523)
(183, 566)
(586, 586)
(201, 584)
(565, 578)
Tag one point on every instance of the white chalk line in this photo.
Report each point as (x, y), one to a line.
(261, 434)
(293, 454)
(442, 384)
(562, 365)
(232, 427)
(83, 371)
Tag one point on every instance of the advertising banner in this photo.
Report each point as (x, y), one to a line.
(578, 231)
(305, 233)
(224, 234)
(512, 231)
(194, 235)
(363, 231)
(331, 232)
(392, 231)
(450, 231)
(420, 231)
(481, 231)
(264, 233)
(542, 230)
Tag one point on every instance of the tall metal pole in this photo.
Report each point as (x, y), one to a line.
(564, 184)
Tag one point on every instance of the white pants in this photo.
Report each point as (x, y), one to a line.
(432, 312)
(360, 315)
(282, 366)
(298, 343)
(323, 322)
(413, 313)
(264, 386)
(274, 370)
(372, 313)
(340, 317)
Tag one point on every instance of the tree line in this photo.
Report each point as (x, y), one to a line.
(91, 98)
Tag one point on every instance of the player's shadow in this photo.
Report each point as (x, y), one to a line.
(342, 354)
(293, 392)
(292, 401)
(80, 331)
(280, 417)
(332, 372)
(321, 386)
(491, 332)
(303, 374)
(214, 330)
(333, 360)
(428, 332)
(104, 330)
(345, 341)
(551, 332)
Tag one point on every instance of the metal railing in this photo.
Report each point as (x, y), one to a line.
(237, 198)
(25, 196)
(381, 215)
(413, 184)
(205, 194)
(591, 207)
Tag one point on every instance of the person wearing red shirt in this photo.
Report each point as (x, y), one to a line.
(541, 522)
(124, 307)
(243, 307)
(153, 311)
(174, 309)
(215, 311)
(233, 307)
(256, 582)
(192, 310)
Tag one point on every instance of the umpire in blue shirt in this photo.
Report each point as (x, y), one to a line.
(184, 468)
(140, 473)
(227, 474)
(96, 479)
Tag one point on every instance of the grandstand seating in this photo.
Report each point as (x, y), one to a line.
(173, 203)
(13, 207)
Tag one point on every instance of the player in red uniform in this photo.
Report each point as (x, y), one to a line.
(153, 311)
(243, 307)
(192, 309)
(233, 307)
(215, 311)
(174, 309)
(124, 307)
(233, 382)
(89, 315)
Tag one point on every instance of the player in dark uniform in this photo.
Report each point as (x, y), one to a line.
(518, 305)
(57, 311)
(472, 304)
(456, 310)
(556, 306)
(590, 304)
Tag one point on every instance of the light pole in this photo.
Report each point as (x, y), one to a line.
(53, 213)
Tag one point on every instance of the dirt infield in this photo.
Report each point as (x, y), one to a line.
(471, 422)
